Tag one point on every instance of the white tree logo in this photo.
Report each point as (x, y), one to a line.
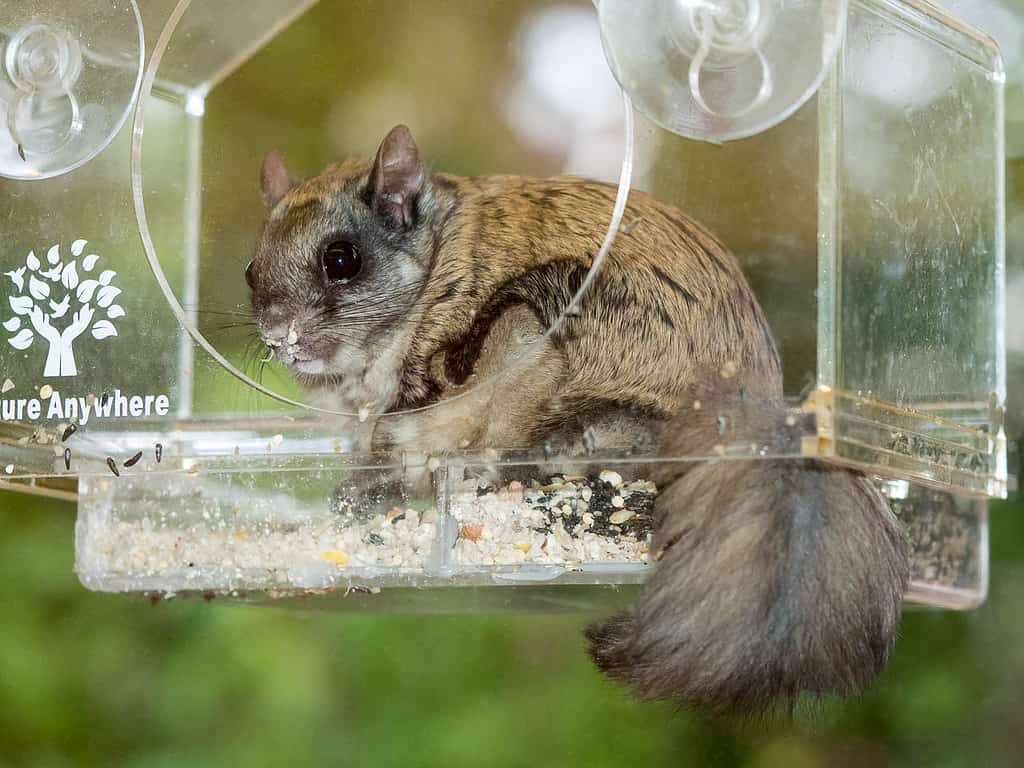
(36, 299)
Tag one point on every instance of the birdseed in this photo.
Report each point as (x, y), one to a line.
(564, 522)
(221, 544)
(945, 536)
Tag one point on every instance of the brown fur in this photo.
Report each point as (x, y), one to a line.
(774, 577)
(499, 230)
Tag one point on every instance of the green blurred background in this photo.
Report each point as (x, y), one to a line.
(99, 680)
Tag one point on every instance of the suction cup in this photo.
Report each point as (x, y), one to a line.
(720, 69)
(69, 73)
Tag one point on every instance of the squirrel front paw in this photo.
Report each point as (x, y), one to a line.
(355, 503)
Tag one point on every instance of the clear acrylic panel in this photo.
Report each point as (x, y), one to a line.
(912, 306)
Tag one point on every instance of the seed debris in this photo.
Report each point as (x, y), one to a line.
(333, 556)
(8, 386)
(621, 516)
(45, 391)
(561, 520)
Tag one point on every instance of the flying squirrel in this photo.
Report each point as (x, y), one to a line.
(382, 283)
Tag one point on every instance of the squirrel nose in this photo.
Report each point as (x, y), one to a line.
(278, 333)
(273, 324)
(275, 335)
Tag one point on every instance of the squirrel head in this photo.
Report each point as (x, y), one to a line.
(343, 257)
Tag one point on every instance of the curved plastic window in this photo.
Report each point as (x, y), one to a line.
(165, 257)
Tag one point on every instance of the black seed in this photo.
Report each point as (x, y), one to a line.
(21, 152)
(159, 452)
(133, 460)
(113, 466)
(104, 398)
(68, 432)
(641, 502)
(67, 459)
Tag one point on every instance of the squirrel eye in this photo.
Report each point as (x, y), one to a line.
(342, 261)
(249, 278)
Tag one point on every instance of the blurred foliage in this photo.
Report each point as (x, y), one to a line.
(113, 682)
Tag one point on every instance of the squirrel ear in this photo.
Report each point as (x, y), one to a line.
(397, 178)
(274, 180)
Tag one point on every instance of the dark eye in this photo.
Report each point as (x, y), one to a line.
(249, 278)
(342, 261)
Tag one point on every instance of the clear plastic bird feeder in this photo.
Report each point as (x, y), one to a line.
(865, 202)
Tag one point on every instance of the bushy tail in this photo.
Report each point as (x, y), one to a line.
(773, 578)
